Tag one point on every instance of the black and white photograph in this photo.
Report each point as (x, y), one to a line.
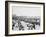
(24, 18)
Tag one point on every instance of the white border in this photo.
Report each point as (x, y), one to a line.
(10, 18)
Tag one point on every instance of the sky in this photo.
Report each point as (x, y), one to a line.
(26, 11)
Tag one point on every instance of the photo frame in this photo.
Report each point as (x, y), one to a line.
(24, 18)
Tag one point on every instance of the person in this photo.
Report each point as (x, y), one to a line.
(30, 26)
(15, 25)
(21, 27)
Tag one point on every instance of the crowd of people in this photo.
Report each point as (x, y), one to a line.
(19, 23)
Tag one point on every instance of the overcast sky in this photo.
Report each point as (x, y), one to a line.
(26, 11)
